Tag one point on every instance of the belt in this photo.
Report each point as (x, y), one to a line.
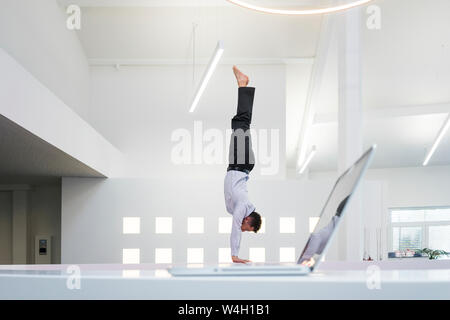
(230, 168)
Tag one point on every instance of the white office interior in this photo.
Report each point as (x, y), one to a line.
(108, 168)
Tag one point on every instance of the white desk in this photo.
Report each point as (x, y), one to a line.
(153, 282)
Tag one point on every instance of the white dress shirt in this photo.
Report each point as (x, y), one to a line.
(237, 204)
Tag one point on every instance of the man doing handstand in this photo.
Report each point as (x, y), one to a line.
(241, 163)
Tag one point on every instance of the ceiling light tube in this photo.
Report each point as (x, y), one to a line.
(300, 11)
(207, 75)
(438, 140)
(308, 160)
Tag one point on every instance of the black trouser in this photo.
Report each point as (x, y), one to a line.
(241, 156)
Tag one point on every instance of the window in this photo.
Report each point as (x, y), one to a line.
(225, 255)
(131, 256)
(225, 224)
(287, 255)
(406, 238)
(263, 225)
(312, 223)
(418, 228)
(163, 225)
(162, 273)
(439, 237)
(131, 225)
(195, 255)
(287, 225)
(163, 255)
(257, 254)
(195, 225)
(131, 273)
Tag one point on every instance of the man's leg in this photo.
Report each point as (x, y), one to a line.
(241, 153)
(243, 117)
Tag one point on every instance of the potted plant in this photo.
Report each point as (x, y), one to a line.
(432, 254)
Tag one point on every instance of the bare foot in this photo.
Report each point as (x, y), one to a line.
(241, 78)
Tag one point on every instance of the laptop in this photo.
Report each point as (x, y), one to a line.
(319, 240)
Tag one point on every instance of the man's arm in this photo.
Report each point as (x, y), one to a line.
(235, 237)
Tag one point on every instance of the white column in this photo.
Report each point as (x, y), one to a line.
(19, 226)
(350, 126)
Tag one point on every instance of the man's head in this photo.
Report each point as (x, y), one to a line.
(252, 222)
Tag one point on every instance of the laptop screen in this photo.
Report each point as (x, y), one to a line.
(332, 212)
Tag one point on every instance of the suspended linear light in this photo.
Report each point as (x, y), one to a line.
(438, 140)
(331, 9)
(308, 160)
(207, 75)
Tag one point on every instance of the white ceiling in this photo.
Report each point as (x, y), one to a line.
(166, 33)
(195, 3)
(405, 81)
(405, 64)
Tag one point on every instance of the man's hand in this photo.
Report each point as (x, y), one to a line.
(309, 263)
(237, 260)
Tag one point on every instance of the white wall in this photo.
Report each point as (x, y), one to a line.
(92, 211)
(408, 187)
(416, 187)
(34, 107)
(35, 34)
(139, 108)
(297, 77)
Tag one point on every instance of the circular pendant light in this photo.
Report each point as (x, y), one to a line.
(329, 9)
